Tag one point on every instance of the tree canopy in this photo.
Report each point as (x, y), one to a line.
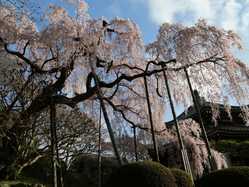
(60, 54)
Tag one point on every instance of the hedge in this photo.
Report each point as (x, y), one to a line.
(182, 179)
(230, 177)
(84, 171)
(144, 174)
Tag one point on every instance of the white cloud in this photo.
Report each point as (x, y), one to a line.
(166, 10)
(229, 14)
(231, 11)
(202, 8)
(245, 20)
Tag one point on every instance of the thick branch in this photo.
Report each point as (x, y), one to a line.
(91, 91)
(35, 68)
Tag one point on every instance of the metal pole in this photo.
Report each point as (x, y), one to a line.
(184, 154)
(135, 142)
(197, 108)
(53, 145)
(151, 121)
(99, 152)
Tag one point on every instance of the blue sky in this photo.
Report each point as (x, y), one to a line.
(137, 12)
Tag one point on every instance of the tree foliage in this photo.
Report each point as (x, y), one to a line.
(170, 152)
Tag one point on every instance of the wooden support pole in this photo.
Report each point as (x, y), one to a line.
(109, 127)
(58, 162)
(53, 143)
(184, 155)
(135, 142)
(107, 121)
(151, 121)
(197, 108)
(99, 152)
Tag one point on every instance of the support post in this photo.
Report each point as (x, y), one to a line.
(99, 152)
(53, 143)
(58, 162)
(197, 108)
(184, 154)
(135, 142)
(107, 121)
(151, 121)
(109, 127)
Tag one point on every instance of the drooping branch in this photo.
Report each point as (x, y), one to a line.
(9, 108)
(117, 109)
(139, 126)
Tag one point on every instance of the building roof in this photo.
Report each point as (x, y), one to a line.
(226, 125)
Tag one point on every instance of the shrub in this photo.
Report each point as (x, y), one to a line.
(40, 171)
(182, 178)
(21, 183)
(230, 177)
(144, 174)
(84, 171)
